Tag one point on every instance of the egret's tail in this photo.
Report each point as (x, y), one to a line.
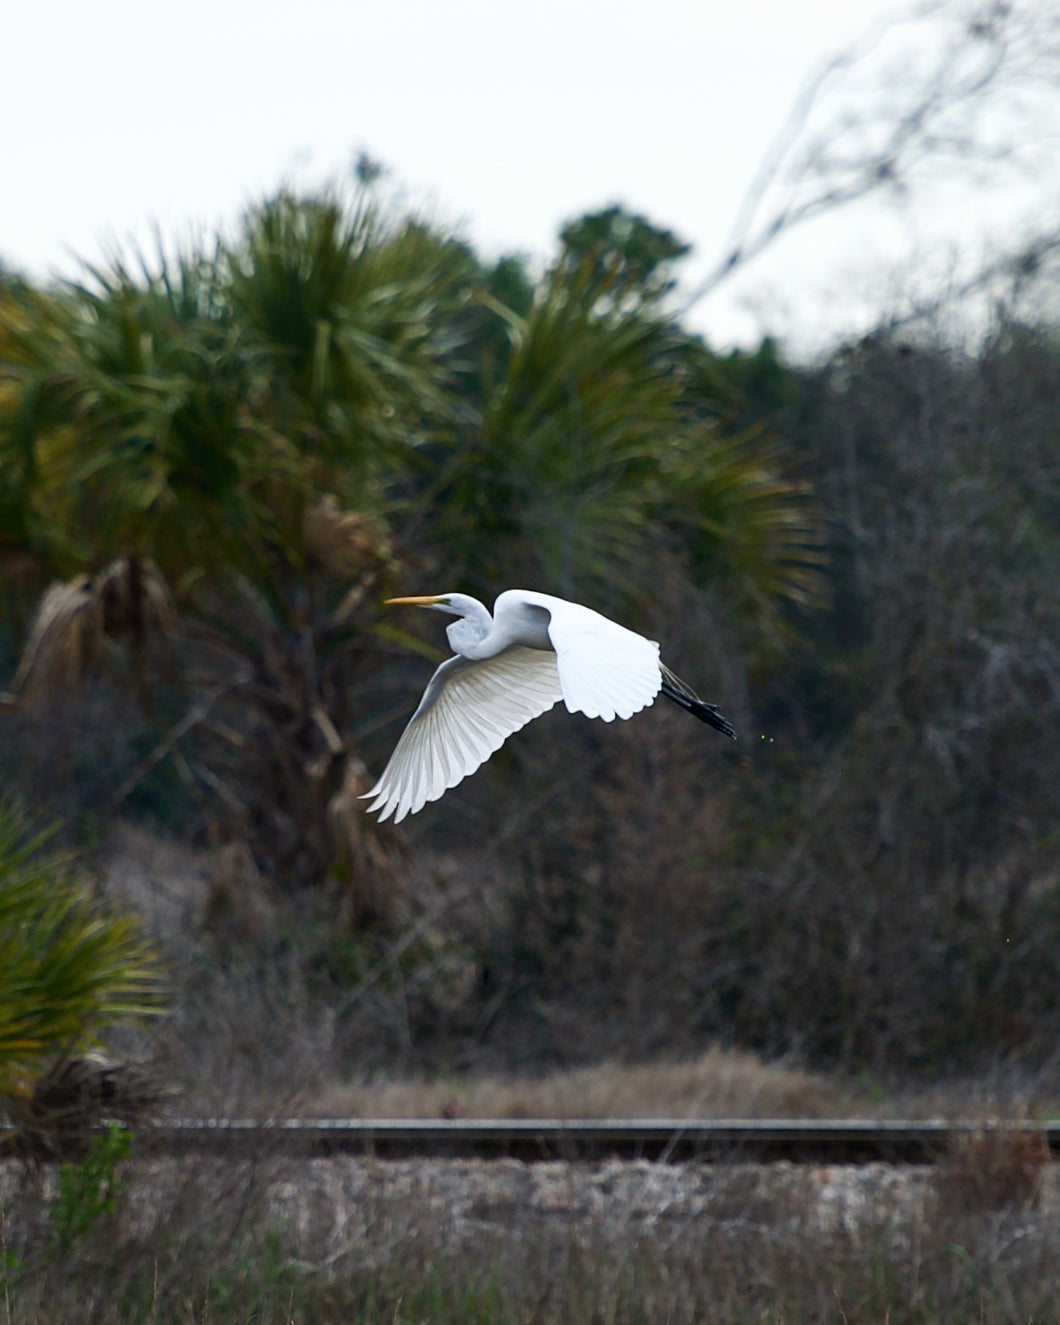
(674, 688)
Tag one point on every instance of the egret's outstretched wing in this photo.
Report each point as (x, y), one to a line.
(606, 670)
(468, 711)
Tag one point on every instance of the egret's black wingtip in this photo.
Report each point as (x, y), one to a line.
(717, 720)
(691, 703)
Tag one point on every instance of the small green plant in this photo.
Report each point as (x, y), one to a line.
(70, 966)
(92, 1189)
(262, 1273)
(12, 1270)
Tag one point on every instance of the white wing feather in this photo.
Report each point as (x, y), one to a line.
(468, 711)
(606, 671)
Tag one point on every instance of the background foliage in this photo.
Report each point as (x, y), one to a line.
(219, 463)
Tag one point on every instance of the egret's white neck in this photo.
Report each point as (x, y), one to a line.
(469, 635)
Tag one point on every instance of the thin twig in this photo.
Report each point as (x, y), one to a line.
(195, 715)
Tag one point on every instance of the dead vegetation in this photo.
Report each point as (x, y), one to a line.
(992, 1169)
(716, 1084)
(278, 1008)
(467, 1241)
(127, 600)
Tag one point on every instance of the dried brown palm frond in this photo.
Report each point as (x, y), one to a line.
(367, 859)
(240, 904)
(79, 1092)
(344, 542)
(136, 607)
(128, 601)
(63, 642)
(134, 599)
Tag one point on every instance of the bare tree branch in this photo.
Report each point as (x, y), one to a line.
(990, 60)
(1003, 280)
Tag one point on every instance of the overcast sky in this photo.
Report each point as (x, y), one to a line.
(501, 119)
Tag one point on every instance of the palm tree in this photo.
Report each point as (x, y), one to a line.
(234, 447)
(601, 442)
(231, 433)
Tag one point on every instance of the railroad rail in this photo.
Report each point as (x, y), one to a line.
(846, 1141)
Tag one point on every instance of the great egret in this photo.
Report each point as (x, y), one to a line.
(513, 666)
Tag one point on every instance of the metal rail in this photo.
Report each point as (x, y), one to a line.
(847, 1141)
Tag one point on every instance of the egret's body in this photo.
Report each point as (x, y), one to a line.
(509, 668)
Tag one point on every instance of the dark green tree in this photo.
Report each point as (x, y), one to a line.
(625, 253)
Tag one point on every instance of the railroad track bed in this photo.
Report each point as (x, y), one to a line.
(342, 1205)
(342, 1191)
(532, 1140)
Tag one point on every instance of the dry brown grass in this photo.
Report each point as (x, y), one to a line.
(993, 1169)
(719, 1083)
(483, 1243)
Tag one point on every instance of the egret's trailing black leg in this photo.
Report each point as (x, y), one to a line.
(674, 688)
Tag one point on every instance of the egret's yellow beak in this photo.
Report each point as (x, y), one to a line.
(420, 600)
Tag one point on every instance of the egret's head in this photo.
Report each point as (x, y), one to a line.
(473, 626)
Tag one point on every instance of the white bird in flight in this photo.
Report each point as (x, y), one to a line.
(513, 666)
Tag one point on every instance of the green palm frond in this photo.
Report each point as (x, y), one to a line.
(124, 417)
(357, 318)
(597, 445)
(69, 967)
(565, 452)
(746, 521)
